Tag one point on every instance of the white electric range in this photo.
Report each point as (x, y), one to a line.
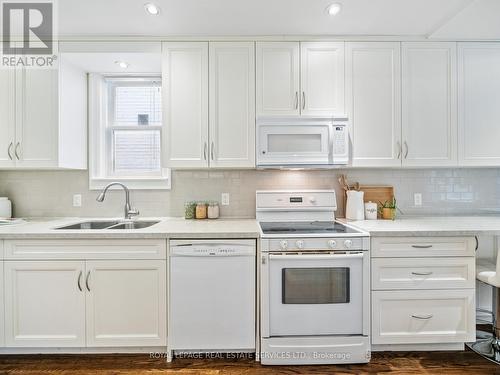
(315, 281)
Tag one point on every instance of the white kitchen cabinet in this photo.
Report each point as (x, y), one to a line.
(37, 125)
(478, 103)
(7, 117)
(232, 104)
(126, 303)
(43, 118)
(429, 104)
(304, 78)
(44, 304)
(373, 98)
(322, 78)
(278, 74)
(2, 304)
(423, 317)
(185, 98)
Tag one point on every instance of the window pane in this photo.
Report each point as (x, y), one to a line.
(136, 151)
(138, 105)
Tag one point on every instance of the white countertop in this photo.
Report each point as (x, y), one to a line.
(431, 226)
(166, 228)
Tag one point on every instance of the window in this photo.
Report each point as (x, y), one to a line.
(126, 132)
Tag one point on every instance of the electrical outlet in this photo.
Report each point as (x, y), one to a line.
(77, 200)
(417, 199)
(225, 199)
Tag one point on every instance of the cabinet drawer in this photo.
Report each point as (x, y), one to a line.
(86, 249)
(423, 273)
(419, 317)
(394, 247)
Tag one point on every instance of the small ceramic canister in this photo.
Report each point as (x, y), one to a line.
(371, 211)
(5, 208)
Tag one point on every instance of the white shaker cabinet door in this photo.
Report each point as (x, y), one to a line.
(322, 78)
(7, 117)
(37, 129)
(185, 92)
(278, 78)
(429, 92)
(232, 105)
(373, 96)
(44, 303)
(478, 103)
(126, 303)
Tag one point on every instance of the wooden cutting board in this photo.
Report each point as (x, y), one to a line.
(375, 194)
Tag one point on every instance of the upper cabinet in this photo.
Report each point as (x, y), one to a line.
(185, 92)
(300, 78)
(429, 104)
(278, 78)
(42, 125)
(373, 97)
(232, 105)
(226, 138)
(322, 78)
(479, 104)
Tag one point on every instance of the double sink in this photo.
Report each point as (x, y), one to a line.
(85, 225)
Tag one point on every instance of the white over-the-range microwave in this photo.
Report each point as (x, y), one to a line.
(302, 142)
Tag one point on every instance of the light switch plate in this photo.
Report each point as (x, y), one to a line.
(417, 199)
(225, 199)
(77, 200)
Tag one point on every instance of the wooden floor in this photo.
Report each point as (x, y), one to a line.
(141, 364)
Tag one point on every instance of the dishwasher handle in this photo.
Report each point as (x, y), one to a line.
(211, 252)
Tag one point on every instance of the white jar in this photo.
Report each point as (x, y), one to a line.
(371, 211)
(355, 207)
(213, 210)
(5, 208)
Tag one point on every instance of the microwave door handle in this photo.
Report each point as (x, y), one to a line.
(317, 256)
(331, 155)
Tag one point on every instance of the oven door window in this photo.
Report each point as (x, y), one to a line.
(315, 285)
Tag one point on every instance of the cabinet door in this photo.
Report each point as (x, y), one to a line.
(322, 78)
(278, 78)
(232, 105)
(429, 93)
(37, 118)
(7, 118)
(478, 103)
(2, 304)
(44, 306)
(126, 303)
(373, 91)
(185, 91)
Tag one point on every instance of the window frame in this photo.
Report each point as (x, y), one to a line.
(101, 133)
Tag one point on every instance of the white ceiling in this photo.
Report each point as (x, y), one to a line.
(445, 18)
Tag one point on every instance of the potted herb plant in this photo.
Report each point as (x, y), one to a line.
(388, 209)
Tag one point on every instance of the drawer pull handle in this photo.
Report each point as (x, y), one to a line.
(421, 246)
(421, 273)
(422, 317)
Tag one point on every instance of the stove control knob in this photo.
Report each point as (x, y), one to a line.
(332, 243)
(300, 244)
(284, 244)
(348, 244)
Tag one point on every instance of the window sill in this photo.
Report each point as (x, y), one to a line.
(150, 183)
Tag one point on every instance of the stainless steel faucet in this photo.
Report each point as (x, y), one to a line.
(129, 212)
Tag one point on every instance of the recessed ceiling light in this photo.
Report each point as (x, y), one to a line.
(334, 9)
(122, 64)
(152, 9)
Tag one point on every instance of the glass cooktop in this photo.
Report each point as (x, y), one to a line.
(305, 227)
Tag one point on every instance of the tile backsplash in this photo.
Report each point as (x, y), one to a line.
(444, 191)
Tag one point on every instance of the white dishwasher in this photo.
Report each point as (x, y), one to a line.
(212, 295)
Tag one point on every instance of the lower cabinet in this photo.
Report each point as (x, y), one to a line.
(423, 290)
(102, 303)
(126, 303)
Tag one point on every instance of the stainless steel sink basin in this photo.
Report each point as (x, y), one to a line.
(110, 225)
(134, 225)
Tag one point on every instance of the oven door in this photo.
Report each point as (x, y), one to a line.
(305, 144)
(315, 294)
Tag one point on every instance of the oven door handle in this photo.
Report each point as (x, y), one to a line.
(316, 256)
